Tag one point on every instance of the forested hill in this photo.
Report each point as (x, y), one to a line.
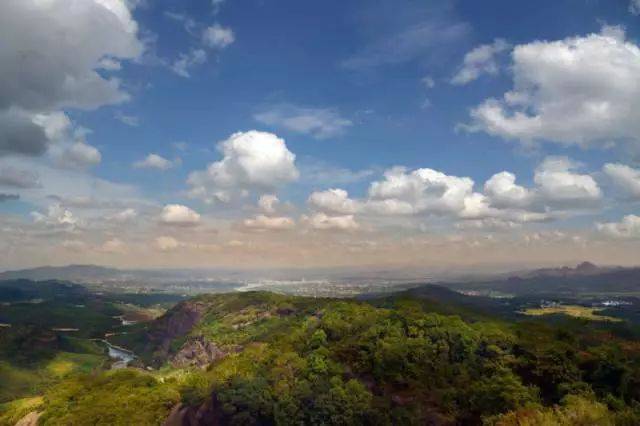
(262, 358)
(561, 281)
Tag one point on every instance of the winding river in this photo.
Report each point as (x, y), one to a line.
(121, 356)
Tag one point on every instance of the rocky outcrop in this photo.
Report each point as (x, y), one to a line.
(30, 419)
(206, 414)
(177, 322)
(199, 352)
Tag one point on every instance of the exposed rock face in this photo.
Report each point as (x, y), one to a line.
(204, 415)
(198, 352)
(30, 419)
(175, 323)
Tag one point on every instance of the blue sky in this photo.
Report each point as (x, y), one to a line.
(139, 98)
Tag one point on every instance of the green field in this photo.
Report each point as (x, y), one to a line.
(576, 311)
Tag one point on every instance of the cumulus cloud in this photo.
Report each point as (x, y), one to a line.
(481, 60)
(582, 91)
(46, 70)
(270, 223)
(559, 183)
(177, 214)
(43, 65)
(153, 161)
(634, 7)
(56, 215)
(420, 191)
(217, 37)
(268, 203)
(79, 155)
(628, 228)
(252, 161)
(335, 201)
(320, 123)
(625, 178)
(503, 191)
(17, 178)
(560, 190)
(21, 134)
(322, 221)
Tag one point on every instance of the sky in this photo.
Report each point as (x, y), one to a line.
(270, 134)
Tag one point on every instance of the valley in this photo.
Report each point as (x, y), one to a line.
(430, 354)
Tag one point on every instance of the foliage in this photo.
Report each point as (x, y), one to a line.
(123, 397)
(290, 360)
(12, 412)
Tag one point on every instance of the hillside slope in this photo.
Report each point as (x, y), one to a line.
(261, 358)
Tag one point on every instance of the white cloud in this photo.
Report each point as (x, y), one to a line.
(335, 201)
(129, 120)
(581, 91)
(17, 178)
(628, 228)
(634, 7)
(268, 203)
(321, 221)
(177, 214)
(74, 245)
(109, 64)
(113, 246)
(558, 186)
(124, 215)
(321, 123)
(420, 191)
(165, 243)
(413, 42)
(560, 190)
(217, 37)
(56, 215)
(186, 61)
(503, 191)
(153, 161)
(481, 60)
(625, 178)
(252, 161)
(270, 223)
(428, 82)
(68, 186)
(558, 183)
(78, 155)
(46, 66)
(49, 71)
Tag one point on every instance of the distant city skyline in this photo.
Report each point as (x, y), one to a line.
(281, 134)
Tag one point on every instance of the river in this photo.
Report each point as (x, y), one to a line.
(122, 356)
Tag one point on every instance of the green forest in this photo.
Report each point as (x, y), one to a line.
(281, 360)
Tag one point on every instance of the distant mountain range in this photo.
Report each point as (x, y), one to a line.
(585, 277)
(75, 273)
(90, 274)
